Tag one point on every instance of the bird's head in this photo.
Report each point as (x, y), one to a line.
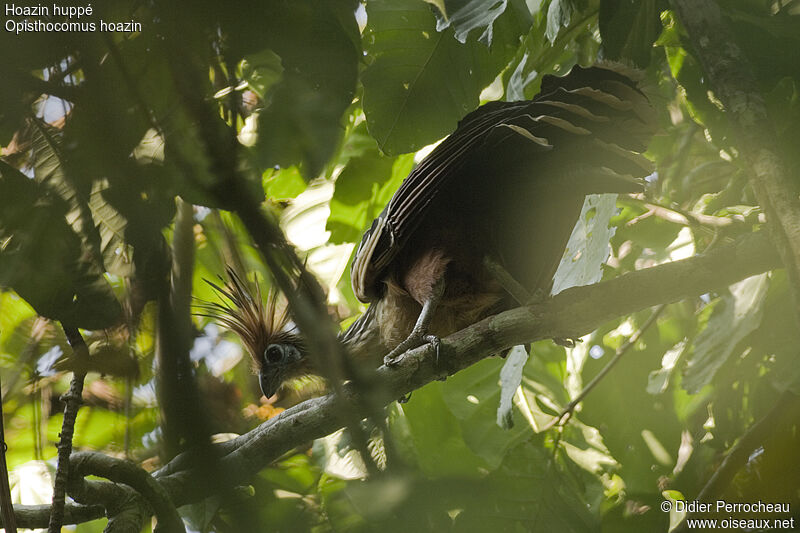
(278, 352)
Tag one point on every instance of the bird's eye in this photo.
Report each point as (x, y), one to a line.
(274, 353)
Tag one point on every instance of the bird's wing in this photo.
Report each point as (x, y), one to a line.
(598, 105)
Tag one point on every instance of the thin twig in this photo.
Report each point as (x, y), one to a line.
(72, 402)
(566, 413)
(185, 420)
(573, 312)
(303, 292)
(9, 522)
(785, 409)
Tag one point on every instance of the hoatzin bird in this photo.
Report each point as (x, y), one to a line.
(508, 185)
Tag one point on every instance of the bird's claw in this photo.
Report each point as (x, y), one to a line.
(566, 342)
(395, 356)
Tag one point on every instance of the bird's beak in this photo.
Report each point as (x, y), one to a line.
(270, 380)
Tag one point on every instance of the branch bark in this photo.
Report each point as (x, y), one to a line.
(735, 85)
(129, 473)
(572, 313)
(72, 400)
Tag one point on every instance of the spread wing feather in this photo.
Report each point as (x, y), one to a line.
(596, 113)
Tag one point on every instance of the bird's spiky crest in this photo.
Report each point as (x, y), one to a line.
(257, 324)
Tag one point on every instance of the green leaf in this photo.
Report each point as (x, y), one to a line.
(588, 246)
(362, 190)
(735, 316)
(636, 427)
(629, 28)
(284, 184)
(262, 71)
(510, 378)
(42, 257)
(319, 53)
(473, 396)
(436, 433)
(466, 15)
(111, 225)
(529, 493)
(559, 15)
(420, 81)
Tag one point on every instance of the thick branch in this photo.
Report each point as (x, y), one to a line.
(735, 85)
(302, 290)
(129, 473)
(36, 516)
(126, 510)
(572, 313)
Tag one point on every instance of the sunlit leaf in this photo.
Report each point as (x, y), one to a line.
(738, 314)
(510, 378)
(467, 15)
(559, 15)
(262, 71)
(421, 81)
(587, 248)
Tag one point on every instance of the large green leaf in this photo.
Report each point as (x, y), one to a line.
(588, 246)
(438, 442)
(43, 259)
(629, 28)
(362, 190)
(530, 492)
(734, 317)
(473, 396)
(319, 51)
(561, 35)
(421, 81)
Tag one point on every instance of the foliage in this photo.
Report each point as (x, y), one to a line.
(319, 106)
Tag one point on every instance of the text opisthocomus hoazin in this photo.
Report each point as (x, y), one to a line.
(507, 185)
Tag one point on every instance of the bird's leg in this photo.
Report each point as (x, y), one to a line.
(520, 293)
(419, 334)
(507, 281)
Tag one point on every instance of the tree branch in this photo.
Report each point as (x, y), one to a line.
(9, 523)
(126, 510)
(566, 413)
(784, 411)
(36, 516)
(735, 85)
(129, 473)
(572, 313)
(72, 400)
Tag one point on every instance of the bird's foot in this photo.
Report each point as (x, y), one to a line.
(413, 341)
(566, 342)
